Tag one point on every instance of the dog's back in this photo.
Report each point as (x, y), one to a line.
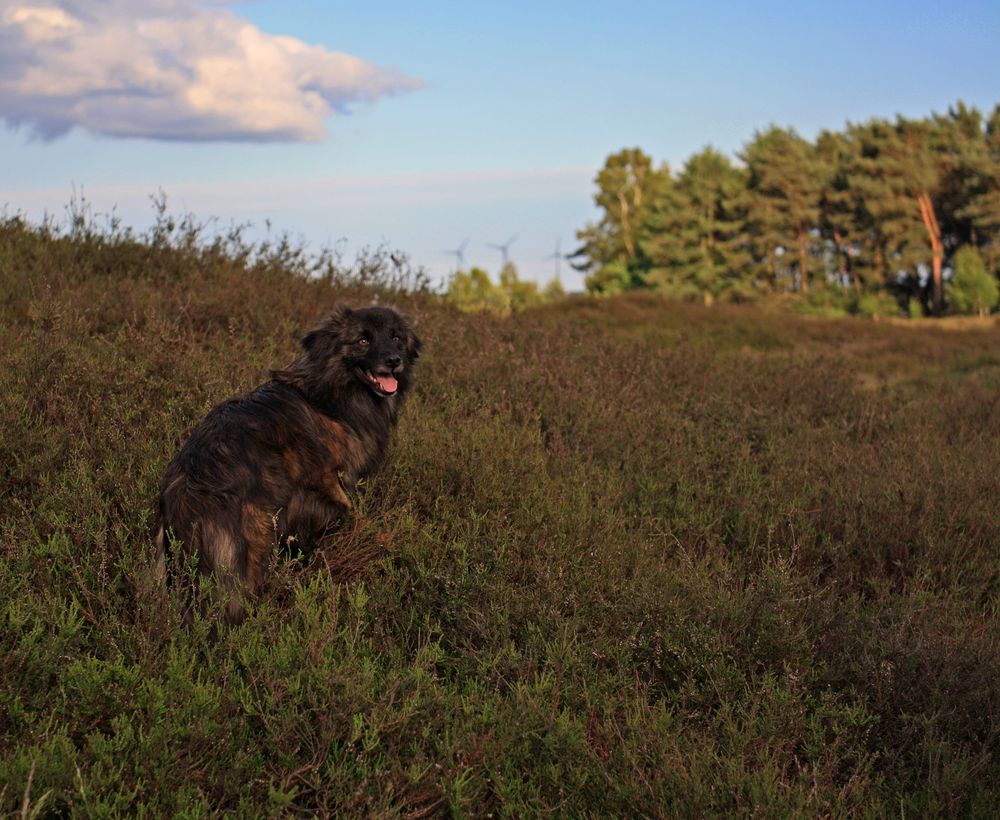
(273, 464)
(258, 469)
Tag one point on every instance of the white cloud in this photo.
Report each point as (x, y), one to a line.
(174, 70)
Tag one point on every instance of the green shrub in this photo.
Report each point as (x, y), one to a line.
(475, 291)
(972, 289)
(877, 304)
(828, 302)
(614, 277)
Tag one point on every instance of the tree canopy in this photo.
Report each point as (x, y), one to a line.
(881, 206)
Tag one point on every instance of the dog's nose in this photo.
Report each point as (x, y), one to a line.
(393, 361)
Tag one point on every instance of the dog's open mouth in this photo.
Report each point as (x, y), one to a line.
(384, 383)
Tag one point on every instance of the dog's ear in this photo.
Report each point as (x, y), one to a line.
(310, 339)
(413, 345)
(341, 313)
(329, 330)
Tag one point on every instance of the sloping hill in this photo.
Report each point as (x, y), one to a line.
(627, 557)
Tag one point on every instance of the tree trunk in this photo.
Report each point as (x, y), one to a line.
(938, 283)
(627, 229)
(848, 266)
(626, 233)
(937, 248)
(803, 261)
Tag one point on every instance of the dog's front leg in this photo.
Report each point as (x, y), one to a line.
(348, 482)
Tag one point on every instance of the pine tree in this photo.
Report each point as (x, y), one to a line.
(899, 172)
(785, 181)
(961, 147)
(981, 194)
(841, 223)
(872, 171)
(695, 238)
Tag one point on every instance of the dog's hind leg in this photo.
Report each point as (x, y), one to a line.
(227, 560)
(160, 556)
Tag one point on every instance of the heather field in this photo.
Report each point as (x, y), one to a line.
(628, 556)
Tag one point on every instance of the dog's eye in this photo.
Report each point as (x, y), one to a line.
(363, 341)
(396, 339)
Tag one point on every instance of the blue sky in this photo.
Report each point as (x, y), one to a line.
(459, 119)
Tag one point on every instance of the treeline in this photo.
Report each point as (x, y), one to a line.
(881, 208)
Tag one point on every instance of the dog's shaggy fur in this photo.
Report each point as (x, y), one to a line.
(280, 462)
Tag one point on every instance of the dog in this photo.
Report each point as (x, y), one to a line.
(281, 462)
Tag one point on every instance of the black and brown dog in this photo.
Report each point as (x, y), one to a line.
(281, 461)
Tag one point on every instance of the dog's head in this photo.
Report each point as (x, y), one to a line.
(374, 347)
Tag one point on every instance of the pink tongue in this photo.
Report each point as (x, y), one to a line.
(387, 383)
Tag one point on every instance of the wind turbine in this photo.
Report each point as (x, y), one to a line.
(557, 256)
(459, 254)
(503, 248)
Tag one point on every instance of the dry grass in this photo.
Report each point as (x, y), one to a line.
(628, 557)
